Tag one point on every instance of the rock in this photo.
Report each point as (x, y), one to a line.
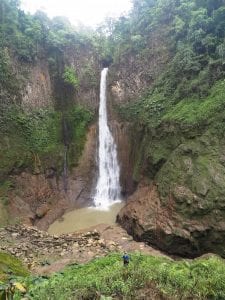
(15, 234)
(111, 243)
(42, 210)
(101, 242)
(166, 227)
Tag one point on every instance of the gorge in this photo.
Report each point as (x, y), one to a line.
(145, 139)
(126, 122)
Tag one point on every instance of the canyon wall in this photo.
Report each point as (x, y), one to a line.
(33, 183)
(179, 173)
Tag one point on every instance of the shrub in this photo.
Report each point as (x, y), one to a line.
(202, 278)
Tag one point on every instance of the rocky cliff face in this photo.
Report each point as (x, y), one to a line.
(38, 87)
(86, 63)
(125, 150)
(36, 193)
(37, 90)
(179, 205)
(132, 74)
(39, 199)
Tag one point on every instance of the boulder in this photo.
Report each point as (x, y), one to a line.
(42, 210)
(147, 218)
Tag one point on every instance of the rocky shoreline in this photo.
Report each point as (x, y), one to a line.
(43, 253)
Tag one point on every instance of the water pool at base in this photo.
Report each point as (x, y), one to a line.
(85, 217)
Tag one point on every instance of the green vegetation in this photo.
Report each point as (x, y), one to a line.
(35, 139)
(199, 279)
(88, 77)
(155, 108)
(4, 189)
(194, 111)
(185, 93)
(26, 39)
(77, 120)
(194, 36)
(40, 129)
(70, 77)
(11, 266)
(27, 138)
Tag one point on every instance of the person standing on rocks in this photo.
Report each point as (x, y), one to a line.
(126, 259)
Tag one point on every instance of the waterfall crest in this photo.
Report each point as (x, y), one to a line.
(108, 188)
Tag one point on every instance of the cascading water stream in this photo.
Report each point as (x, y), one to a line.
(108, 188)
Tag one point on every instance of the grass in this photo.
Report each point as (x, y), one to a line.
(202, 278)
(11, 266)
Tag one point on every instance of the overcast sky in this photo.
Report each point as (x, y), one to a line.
(88, 12)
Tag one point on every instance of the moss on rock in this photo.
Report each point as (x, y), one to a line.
(187, 165)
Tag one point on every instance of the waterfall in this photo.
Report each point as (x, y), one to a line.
(66, 147)
(108, 188)
(65, 173)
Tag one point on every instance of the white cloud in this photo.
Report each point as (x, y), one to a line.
(88, 12)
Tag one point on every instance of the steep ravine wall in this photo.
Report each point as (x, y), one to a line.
(125, 150)
(179, 171)
(38, 86)
(37, 90)
(179, 203)
(35, 190)
(134, 72)
(39, 199)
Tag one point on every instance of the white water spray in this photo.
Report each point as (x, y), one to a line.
(108, 188)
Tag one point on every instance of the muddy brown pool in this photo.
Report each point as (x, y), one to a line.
(83, 218)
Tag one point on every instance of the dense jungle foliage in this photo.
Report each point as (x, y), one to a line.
(193, 32)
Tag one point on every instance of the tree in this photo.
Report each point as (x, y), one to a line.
(69, 76)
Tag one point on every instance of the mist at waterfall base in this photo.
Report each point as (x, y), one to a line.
(108, 190)
(107, 197)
